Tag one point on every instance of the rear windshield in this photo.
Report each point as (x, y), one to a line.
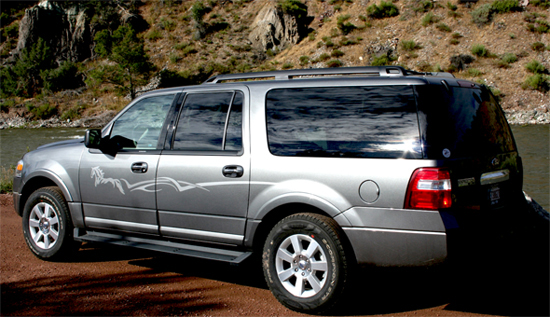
(343, 122)
(462, 122)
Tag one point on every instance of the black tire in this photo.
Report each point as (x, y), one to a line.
(298, 278)
(47, 226)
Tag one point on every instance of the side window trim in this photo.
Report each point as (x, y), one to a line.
(227, 120)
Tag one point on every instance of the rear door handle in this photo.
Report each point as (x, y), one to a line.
(233, 171)
(140, 167)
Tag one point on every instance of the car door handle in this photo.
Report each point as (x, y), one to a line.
(140, 167)
(233, 171)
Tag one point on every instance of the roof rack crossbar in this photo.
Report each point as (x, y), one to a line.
(383, 71)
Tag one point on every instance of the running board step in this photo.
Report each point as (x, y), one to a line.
(230, 256)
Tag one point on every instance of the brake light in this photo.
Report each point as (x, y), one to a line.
(429, 188)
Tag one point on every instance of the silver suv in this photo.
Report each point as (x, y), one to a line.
(319, 171)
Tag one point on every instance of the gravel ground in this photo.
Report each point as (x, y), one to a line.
(104, 280)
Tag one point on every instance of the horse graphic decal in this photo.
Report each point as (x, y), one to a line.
(99, 177)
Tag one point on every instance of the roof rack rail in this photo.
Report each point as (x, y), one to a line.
(382, 71)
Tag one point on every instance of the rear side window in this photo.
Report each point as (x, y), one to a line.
(462, 122)
(343, 122)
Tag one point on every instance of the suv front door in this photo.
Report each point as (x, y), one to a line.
(118, 185)
(203, 175)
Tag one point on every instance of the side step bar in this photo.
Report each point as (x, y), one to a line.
(234, 257)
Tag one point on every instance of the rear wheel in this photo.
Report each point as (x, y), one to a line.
(47, 228)
(304, 262)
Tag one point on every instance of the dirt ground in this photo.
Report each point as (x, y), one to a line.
(105, 280)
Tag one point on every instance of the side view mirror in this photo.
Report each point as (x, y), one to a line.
(93, 139)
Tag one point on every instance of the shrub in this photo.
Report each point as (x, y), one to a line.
(443, 27)
(346, 41)
(451, 6)
(479, 50)
(153, 35)
(337, 53)
(410, 45)
(43, 111)
(324, 57)
(345, 27)
(536, 82)
(295, 8)
(334, 63)
(424, 6)
(381, 60)
(64, 77)
(482, 15)
(454, 42)
(6, 179)
(70, 114)
(304, 60)
(384, 10)
(429, 18)
(287, 66)
(535, 67)
(507, 59)
(459, 62)
(474, 72)
(545, 4)
(504, 6)
(167, 24)
(538, 47)
(540, 26)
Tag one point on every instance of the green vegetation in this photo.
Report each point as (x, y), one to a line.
(479, 50)
(335, 63)
(6, 179)
(538, 47)
(337, 53)
(482, 15)
(384, 10)
(304, 60)
(295, 8)
(429, 18)
(507, 59)
(287, 66)
(504, 6)
(344, 26)
(540, 80)
(42, 111)
(535, 67)
(443, 27)
(381, 60)
(539, 26)
(131, 68)
(410, 45)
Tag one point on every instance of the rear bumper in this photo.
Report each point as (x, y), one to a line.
(388, 247)
(395, 237)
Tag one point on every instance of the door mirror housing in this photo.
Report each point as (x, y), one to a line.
(93, 139)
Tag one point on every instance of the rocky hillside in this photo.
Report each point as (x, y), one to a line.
(504, 44)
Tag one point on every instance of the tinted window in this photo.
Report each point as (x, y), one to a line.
(140, 126)
(462, 122)
(343, 121)
(202, 122)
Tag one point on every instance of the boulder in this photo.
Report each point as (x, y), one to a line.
(273, 29)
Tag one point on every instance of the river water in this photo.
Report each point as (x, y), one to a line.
(533, 143)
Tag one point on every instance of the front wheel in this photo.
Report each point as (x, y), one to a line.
(305, 264)
(47, 228)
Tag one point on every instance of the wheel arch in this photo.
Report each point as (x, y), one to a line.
(279, 212)
(38, 180)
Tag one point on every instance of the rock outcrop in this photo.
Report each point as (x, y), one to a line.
(273, 29)
(65, 31)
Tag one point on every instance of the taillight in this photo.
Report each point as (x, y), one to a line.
(429, 188)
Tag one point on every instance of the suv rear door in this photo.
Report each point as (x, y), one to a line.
(204, 171)
(463, 125)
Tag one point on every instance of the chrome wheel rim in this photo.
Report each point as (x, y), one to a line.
(301, 265)
(44, 225)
